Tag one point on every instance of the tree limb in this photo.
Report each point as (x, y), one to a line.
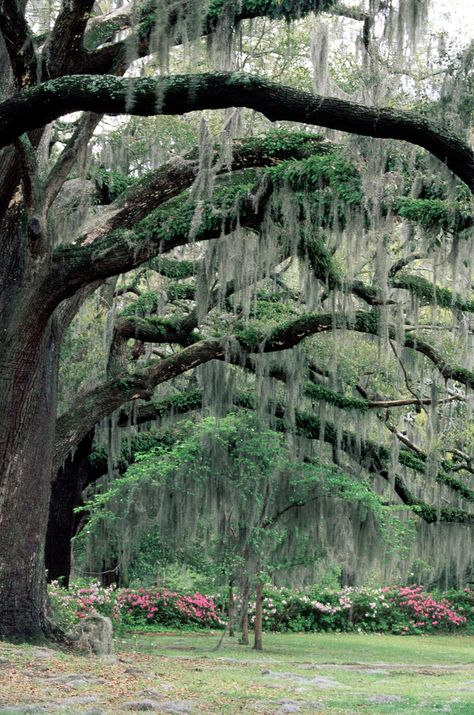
(19, 42)
(184, 93)
(60, 171)
(64, 47)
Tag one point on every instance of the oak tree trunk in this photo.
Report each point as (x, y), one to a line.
(28, 378)
(66, 496)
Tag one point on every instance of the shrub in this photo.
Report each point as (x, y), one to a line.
(145, 606)
(462, 601)
(133, 608)
(80, 600)
(397, 609)
(424, 613)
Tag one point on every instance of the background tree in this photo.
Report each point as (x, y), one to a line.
(237, 487)
(54, 259)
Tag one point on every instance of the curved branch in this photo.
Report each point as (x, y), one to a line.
(431, 293)
(403, 262)
(75, 265)
(104, 399)
(60, 171)
(185, 93)
(178, 174)
(90, 408)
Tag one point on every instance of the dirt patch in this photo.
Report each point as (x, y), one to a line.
(319, 681)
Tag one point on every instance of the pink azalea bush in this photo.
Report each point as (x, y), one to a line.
(403, 610)
(398, 609)
(165, 607)
(424, 613)
(135, 608)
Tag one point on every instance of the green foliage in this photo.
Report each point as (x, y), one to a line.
(249, 336)
(271, 308)
(82, 363)
(320, 392)
(285, 144)
(183, 402)
(313, 249)
(275, 9)
(233, 466)
(172, 268)
(462, 601)
(321, 176)
(143, 306)
(322, 172)
(400, 610)
(111, 183)
(436, 214)
(433, 294)
(180, 291)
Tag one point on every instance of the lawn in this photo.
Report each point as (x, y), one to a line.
(307, 673)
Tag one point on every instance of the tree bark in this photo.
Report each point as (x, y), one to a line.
(244, 612)
(28, 376)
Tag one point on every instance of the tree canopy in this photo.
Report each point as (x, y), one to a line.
(193, 258)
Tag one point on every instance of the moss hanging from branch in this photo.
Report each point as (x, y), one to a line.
(431, 293)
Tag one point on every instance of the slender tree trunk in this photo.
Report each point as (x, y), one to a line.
(244, 638)
(244, 613)
(231, 607)
(110, 575)
(258, 623)
(28, 378)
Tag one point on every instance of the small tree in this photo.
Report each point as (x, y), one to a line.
(233, 486)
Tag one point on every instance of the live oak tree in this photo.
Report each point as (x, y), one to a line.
(50, 268)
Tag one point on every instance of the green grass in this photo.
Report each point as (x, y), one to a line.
(307, 673)
(431, 673)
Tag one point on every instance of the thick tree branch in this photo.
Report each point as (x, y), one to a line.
(431, 293)
(64, 48)
(74, 425)
(158, 186)
(184, 93)
(403, 262)
(19, 42)
(362, 322)
(158, 330)
(74, 266)
(104, 399)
